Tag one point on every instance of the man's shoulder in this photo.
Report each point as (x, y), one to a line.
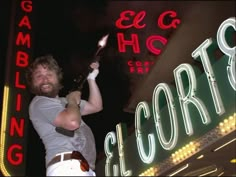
(43, 100)
(37, 98)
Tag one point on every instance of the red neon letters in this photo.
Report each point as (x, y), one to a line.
(17, 125)
(139, 67)
(131, 19)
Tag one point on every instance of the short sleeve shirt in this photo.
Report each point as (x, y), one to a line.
(43, 110)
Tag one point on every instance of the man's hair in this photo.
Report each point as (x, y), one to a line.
(46, 61)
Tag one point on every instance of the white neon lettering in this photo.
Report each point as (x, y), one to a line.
(227, 50)
(168, 145)
(110, 137)
(202, 52)
(190, 97)
(123, 170)
(139, 135)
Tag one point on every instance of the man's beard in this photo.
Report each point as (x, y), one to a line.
(52, 93)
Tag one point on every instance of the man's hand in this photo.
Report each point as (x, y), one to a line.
(94, 73)
(74, 97)
(94, 65)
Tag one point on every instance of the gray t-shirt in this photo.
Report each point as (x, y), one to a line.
(43, 110)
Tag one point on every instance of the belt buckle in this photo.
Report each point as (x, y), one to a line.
(83, 162)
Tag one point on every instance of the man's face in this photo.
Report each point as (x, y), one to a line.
(45, 82)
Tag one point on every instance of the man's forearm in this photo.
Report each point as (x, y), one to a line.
(95, 97)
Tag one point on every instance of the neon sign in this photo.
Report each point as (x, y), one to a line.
(139, 66)
(196, 106)
(15, 96)
(130, 19)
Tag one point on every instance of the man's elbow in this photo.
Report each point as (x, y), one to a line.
(73, 125)
(99, 108)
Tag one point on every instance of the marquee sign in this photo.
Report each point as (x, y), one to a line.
(173, 127)
(15, 97)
